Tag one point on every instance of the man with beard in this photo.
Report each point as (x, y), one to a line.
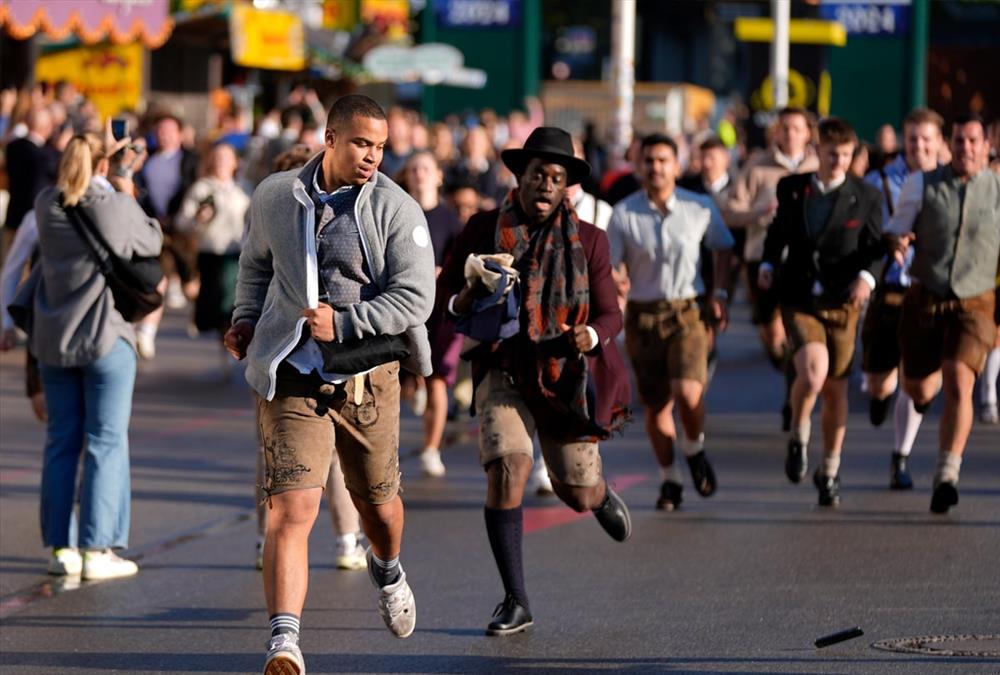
(657, 233)
(951, 217)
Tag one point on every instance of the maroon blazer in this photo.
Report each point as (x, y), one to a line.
(607, 370)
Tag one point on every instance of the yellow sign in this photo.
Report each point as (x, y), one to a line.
(801, 92)
(109, 75)
(266, 39)
(800, 31)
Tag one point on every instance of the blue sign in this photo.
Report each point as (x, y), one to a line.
(478, 13)
(883, 18)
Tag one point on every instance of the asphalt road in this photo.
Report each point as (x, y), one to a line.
(743, 582)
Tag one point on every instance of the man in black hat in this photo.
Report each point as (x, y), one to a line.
(560, 375)
(657, 234)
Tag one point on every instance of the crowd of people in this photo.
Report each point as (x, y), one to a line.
(355, 258)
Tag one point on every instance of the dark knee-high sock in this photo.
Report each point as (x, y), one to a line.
(504, 528)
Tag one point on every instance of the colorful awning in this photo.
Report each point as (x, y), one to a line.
(118, 21)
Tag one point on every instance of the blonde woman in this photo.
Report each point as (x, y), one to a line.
(87, 357)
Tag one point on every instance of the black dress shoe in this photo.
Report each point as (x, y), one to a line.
(829, 489)
(945, 496)
(509, 618)
(702, 474)
(878, 409)
(670, 496)
(796, 461)
(614, 517)
(900, 478)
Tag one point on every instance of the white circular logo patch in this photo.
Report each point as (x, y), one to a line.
(420, 236)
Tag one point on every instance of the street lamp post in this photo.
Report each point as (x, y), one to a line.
(781, 15)
(622, 74)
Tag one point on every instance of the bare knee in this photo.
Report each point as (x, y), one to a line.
(385, 513)
(834, 391)
(580, 499)
(921, 391)
(294, 509)
(958, 380)
(881, 385)
(506, 478)
(811, 368)
(688, 392)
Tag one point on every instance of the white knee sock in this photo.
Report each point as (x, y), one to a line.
(693, 447)
(672, 473)
(831, 465)
(906, 421)
(988, 380)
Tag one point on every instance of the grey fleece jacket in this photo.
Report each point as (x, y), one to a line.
(278, 272)
(75, 320)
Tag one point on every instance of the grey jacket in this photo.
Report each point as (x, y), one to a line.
(75, 321)
(278, 271)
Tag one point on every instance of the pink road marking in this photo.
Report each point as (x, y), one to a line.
(543, 517)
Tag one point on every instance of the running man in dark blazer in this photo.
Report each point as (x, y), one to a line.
(831, 224)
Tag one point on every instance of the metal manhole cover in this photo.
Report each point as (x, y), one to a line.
(944, 645)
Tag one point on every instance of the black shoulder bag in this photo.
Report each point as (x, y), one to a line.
(132, 282)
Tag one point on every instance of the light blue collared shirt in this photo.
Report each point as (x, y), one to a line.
(896, 173)
(663, 251)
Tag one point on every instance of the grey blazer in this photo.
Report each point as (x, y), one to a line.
(75, 321)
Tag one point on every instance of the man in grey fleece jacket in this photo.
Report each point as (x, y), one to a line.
(341, 232)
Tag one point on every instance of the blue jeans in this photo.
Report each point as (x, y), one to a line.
(89, 409)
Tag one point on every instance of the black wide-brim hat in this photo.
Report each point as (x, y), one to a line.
(551, 144)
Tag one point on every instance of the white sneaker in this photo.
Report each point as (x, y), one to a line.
(65, 561)
(106, 564)
(431, 464)
(145, 343)
(988, 414)
(350, 556)
(175, 296)
(284, 656)
(395, 603)
(419, 402)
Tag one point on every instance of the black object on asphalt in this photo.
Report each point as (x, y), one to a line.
(834, 638)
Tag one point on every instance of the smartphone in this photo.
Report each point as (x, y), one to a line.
(119, 128)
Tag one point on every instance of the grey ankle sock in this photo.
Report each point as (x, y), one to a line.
(284, 622)
(948, 468)
(386, 572)
(802, 433)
